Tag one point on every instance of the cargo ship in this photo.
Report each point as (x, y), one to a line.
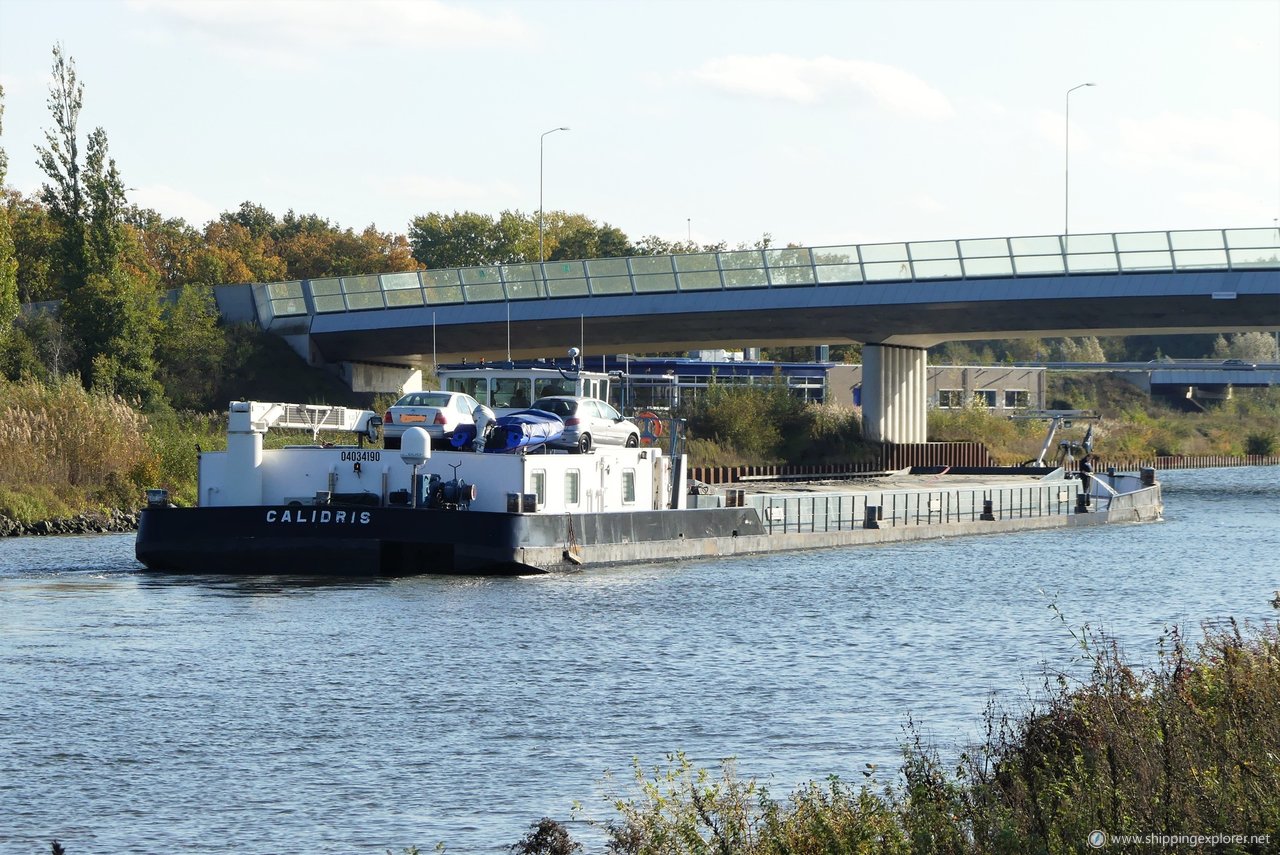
(360, 509)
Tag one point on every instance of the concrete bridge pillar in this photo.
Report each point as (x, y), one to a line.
(895, 394)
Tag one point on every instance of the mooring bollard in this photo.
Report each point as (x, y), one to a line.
(872, 517)
(988, 513)
(1082, 503)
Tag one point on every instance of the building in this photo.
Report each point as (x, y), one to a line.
(997, 387)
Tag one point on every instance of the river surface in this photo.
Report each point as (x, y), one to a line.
(143, 713)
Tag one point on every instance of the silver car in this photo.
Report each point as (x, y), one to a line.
(589, 422)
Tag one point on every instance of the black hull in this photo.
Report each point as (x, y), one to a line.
(391, 541)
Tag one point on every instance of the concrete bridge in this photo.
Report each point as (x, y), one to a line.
(896, 298)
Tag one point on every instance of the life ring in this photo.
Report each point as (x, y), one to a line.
(650, 427)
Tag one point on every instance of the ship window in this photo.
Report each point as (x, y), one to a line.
(512, 392)
(1015, 399)
(476, 387)
(950, 399)
(985, 398)
(571, 480)
(628, 486)
(539, 482)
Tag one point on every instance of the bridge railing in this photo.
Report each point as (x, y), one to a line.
(879, 263)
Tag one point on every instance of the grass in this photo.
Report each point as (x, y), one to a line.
(1185, 749)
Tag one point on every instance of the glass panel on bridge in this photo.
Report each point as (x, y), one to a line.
(939, 269)
(976, 268)
(563, 270)
(567, 287)
(648, 283)
(284, 298)
(522, 281)
(482, 284)
(1190, 259)
(483, 292)
(835, 255)
(1095, 262)
(1253, 238)
(1146, 261)
(607, 267)
(832, 273)
(985, 248)
(326, 295)
(441, 286)
(401, 289)
(700, 280)
(697, 262)
(1197, 240)
(647, 264)
(746, 277)
(604, 285)
(783, 276)
(741, 259)
(1254, 258)
(794, 256)
(363, 292)
(887, 271)
(519, 273)
(1035, 246)
(1038, 265)
(524, 290)
(933, 250)
(1086, 244)
(480, 275)
(1142, 242)
(883, 252)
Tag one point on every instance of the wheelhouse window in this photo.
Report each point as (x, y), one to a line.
(512, 392)
(476, 387)
(572, 486)
(628, 486)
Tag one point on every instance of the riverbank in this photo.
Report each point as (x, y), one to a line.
(88, 523)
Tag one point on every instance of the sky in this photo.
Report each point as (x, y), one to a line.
(818, 122)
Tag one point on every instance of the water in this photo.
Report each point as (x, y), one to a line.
(143, 714)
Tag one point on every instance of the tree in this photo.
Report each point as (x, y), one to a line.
(8, 254)
(64, 196)
(190, 349)
(107, 306)
(466, 239)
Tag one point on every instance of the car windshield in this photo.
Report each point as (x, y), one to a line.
(559, 406)
(424, 399)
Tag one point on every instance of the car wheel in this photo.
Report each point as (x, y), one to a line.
(584, 443)
(633, 441)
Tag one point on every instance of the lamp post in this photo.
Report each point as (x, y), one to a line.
(541, 256)
(1066, 171)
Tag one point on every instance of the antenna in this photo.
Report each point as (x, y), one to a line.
(508, 332)
(582, 338)
(433, 343)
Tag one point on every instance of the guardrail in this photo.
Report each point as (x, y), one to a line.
(919, 261)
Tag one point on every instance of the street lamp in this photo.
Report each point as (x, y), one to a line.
(542, 257)
(1066, 190)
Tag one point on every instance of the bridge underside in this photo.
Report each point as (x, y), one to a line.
(900, 321)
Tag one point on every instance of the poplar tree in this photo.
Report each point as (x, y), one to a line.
(112, 315)
(8, 255)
